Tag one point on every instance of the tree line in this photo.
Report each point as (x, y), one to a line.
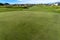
(16, 5)
(2, 4)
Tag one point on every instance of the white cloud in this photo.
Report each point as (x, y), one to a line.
(37, 1)
(20, 0)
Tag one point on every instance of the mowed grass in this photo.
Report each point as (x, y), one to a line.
(29, 25)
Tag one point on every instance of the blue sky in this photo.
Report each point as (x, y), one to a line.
(29, 1)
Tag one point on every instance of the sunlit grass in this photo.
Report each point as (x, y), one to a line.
(29, 25)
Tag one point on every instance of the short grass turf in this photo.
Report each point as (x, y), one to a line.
(29, 25)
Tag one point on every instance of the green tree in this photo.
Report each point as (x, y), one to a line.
(6, 4)
(1, 4)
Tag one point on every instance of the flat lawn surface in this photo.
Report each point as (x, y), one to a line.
(29, 25)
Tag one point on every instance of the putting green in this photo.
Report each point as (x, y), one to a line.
(29, 25)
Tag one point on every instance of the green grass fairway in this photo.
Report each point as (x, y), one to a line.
(29, 25)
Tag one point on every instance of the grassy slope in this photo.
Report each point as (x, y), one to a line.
(29, 25)
(55, 9)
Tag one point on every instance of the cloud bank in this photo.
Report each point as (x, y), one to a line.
(29, 1)
(36, 1)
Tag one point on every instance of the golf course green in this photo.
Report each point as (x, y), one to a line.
(29, 25)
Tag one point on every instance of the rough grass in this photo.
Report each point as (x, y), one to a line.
(40, 8)
(3, 9)
(29, 25)
(55, 9)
